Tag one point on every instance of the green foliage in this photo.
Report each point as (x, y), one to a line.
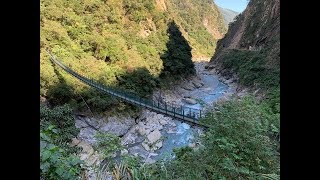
(61, 117)
(204, 34)
(129, 167)
(108, 144)
(57, 159)
(139, 81)
(177, 60)
(252, 68)
(56, 162)
(60, 94)
(236, 146)
(103, 39)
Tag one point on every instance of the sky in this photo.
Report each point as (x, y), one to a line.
(235, 5)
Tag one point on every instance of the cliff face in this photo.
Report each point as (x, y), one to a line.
(258, 27)
(250, 51)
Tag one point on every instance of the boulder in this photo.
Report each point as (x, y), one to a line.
(149, 161)
(163, 121)
(80, 124)
(139, 151)
(197, 83)
(145, 146)
(190, 101)
(117, 125)
(158, 145)
(192, 145)
(171, 130)
(154, 136)
(74, 142)
(88, 135)
(86, 151)
(129, 138)
(142, 131)
(172, 123)
(188, 86)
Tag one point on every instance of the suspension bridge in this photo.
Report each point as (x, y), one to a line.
(183, 113)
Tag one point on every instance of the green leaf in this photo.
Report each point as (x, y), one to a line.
(45, 155)
(59, 171)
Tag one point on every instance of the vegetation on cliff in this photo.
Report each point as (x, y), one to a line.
(112, 41)
(251, 49)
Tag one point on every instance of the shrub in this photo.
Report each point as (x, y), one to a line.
(55, 161)
(108, 144)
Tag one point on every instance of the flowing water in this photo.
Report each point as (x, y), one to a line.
(185, 134)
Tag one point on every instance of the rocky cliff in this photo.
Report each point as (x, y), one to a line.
(250, 50)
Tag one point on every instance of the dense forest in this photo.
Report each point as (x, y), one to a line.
(108, 40)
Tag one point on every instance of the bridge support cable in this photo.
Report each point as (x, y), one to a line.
(170, 110)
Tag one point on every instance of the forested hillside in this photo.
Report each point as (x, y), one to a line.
(115, 39)
(228, 15)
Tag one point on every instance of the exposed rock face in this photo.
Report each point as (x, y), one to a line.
(257, 27)
(117, 126)
(88, 135)
(255, 32)
(90, 126)
(89, 156)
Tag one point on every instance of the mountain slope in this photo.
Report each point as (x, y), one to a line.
(228, 15)
(251, 49)
(110, 40)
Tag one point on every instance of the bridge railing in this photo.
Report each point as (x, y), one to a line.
(184, 112)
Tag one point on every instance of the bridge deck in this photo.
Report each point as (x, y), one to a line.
(154, 106)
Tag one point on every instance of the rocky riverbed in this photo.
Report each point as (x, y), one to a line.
(153, 136)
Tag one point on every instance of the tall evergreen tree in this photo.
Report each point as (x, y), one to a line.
(177, 60)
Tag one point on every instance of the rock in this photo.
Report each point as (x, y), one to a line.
(209, 66)
(145, 146)
(129, 138)
(117, 125)
(74, 142)
(163, 122)
(154, 136)
(149, 161)
(152, 154)
(92, 159)
(86, 151)
(171, 131)
(139, 150)
(229, 81)
(190, 101)
(192, 145)
(80, 124)
(197, 83)
(142, 131)
(124, 152)
(172, 123)
(158, 145)
(88, 135)
(151, 126)
(188, 86)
